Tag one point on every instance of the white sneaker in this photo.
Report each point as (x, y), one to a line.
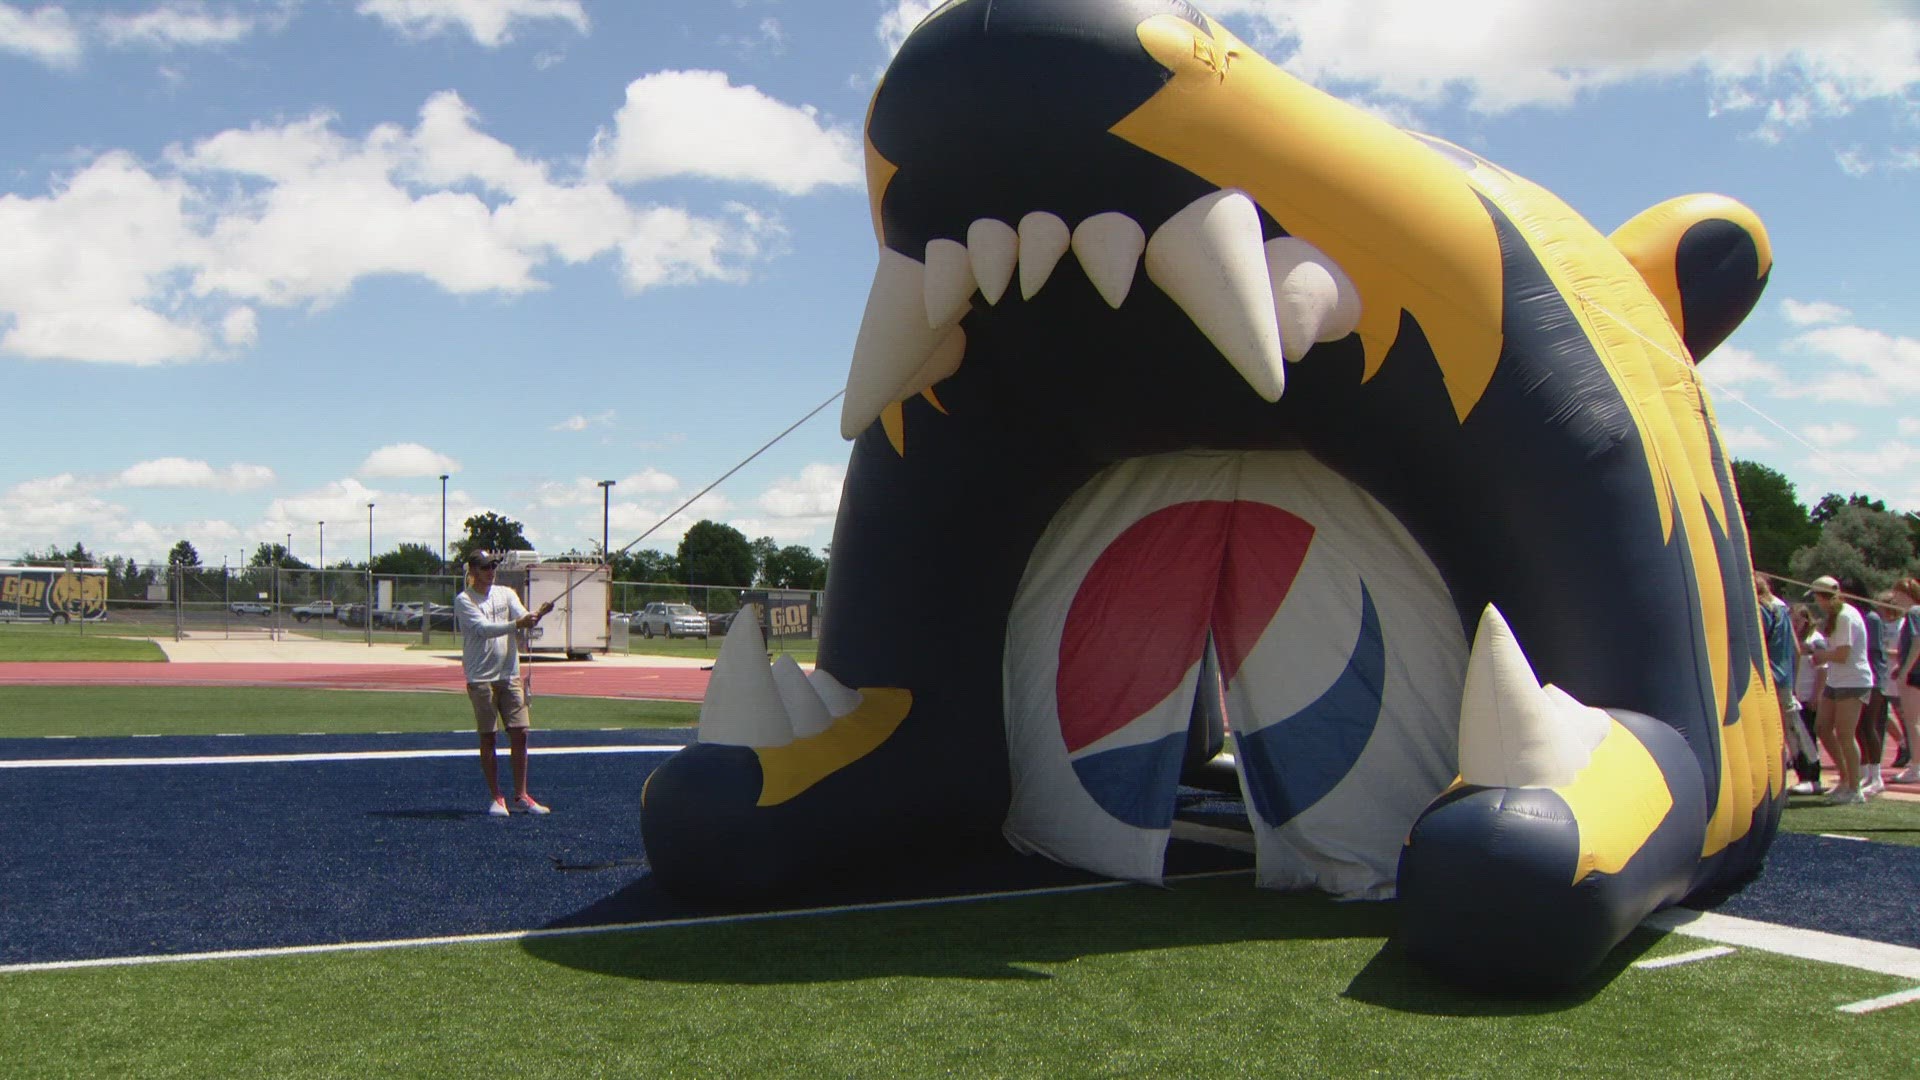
(1871, 788)
(498, 809)
(1911, 776)
(528, 804)
(1807, 787)
(1844, 797)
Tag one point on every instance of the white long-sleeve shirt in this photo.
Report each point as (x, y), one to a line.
(489, 649)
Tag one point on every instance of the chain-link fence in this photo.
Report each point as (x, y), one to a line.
(273, 603)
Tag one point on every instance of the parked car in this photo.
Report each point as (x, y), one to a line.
(319, 609)
(670, 620)
(250, 607)
(436, 616)
(395, 617)
(352, 615)
(719, 622)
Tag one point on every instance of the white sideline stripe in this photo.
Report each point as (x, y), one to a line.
(278, 759)
(1878, 957)
(1841, 836)
(1684, 958)
(1886, 1001)
(580, 931)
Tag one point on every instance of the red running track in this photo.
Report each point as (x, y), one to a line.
(659, 683)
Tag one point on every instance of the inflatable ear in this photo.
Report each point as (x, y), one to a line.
(1706, 257)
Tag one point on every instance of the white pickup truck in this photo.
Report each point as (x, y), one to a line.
(318, 609)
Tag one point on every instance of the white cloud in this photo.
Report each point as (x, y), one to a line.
(1744, 441)
(174, 472)
(1733, 367)
(489, 22)
(1859, 366)
(1831, 435)
(899, 20)
(47, 34)
(669, 124)
(768, 35)
(1813, 313)
(406, 460)
(1908, 426)
(175, 24)
(1788, 60)
(127, 263)
(813, 496)
(647, 482)
(582, 423)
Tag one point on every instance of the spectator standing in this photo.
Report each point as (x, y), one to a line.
(1809, 680)
(1776, 625)
(1849, 681)
(489, 618)
(1906, 678)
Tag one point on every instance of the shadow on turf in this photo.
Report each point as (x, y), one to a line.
(1394, 980)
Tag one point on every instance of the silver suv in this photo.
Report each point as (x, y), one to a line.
(671, 620)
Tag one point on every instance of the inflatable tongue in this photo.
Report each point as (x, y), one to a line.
(1196, 412)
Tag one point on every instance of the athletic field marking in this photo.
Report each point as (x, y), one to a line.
(1878, 957)
(1684, 958)
(578, 931)
(1885, 1001)
(1841, 836)
(279, 759)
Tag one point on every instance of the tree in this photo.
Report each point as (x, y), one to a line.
(794, 567)
(1861, 546)
(764, 549)
(275, 555)
(646, 566)
(183, 555)
(1831, 504)
(491, 532)
(716, 554)
(418, 560)
(53, 556)
(1777, 524)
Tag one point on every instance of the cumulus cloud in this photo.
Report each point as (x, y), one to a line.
(1813, 313)
(47, 34)
(666, 128)
(648, 482)
(174, 472)
(130, 263)
(899, 20)
(1859, 366)
(1830, 435)
(582, 423)
(488, 22)
(1732, 366)
(405, 460)
(1745, 441)
(177, 24)
(814, 495)
(1786, 62)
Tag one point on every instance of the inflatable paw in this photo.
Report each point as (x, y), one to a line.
(1189, 399)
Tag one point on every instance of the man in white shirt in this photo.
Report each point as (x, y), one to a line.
(490, 619)
(1849, 681)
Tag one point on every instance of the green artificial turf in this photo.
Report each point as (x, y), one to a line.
(29, 711)
(72, 642)
(1209, 978)
(1886, 820)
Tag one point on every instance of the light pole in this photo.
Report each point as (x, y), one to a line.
(443, 523)
(323, 561)
(369, 537)
(606, 505)
(369, 575)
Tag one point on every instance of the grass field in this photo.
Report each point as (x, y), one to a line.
(72, 642)
(1209, 978)
(27, 711)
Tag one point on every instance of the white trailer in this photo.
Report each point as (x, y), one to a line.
(582, 595)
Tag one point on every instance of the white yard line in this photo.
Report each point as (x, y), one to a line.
(1886, 1001)
(281, 759)
(577, 931)
(1684, 958)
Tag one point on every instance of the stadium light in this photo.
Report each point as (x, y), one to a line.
(606, 505)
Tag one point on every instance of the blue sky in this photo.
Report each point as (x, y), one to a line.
(264, 263)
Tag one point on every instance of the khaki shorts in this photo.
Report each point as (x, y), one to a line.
(496, 699)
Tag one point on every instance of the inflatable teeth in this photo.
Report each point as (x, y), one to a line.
(806, 712)
(993, 249)
(949, 282)
(1514, 733)
(1208, 258)
(743, 706)
(1043, 239)
(1313, 299)
(1108, 247)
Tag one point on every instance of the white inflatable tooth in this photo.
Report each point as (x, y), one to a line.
(894, 342)
(805, 711)
(949, 282)
(840, 700)
(1208, 258)
(993, 248)
(1108, 246)
(1303, 274)
(1044, 238)
(1514, 732)
(742, 706)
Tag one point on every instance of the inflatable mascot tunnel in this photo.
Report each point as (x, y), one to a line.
(1189, 399)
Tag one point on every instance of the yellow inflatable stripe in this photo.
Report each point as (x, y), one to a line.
(1403, 221)
(787, 771)
(1618, 800)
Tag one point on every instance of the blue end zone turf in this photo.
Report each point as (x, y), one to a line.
(150, 860)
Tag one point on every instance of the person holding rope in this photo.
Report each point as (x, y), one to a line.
(490, 619)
